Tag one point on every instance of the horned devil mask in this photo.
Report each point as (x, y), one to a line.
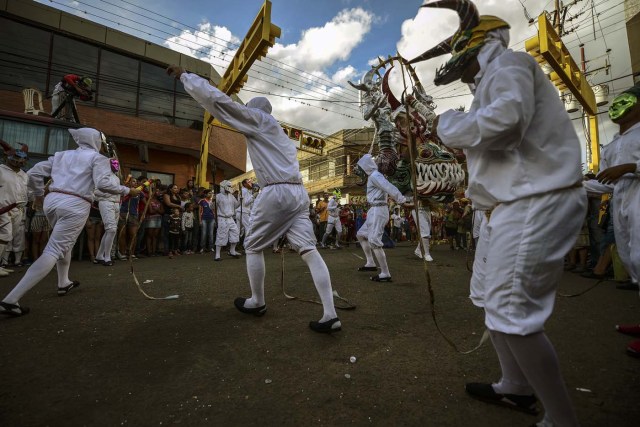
(465, 43)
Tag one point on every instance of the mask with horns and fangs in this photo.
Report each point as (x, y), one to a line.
(465, 44)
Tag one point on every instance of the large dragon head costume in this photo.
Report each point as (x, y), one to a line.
(437, 169)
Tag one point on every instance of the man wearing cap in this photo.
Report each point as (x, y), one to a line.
(524, 162)
(620, 174)
(75, 175)
(72, 86)
(13, 192)
(283, 205)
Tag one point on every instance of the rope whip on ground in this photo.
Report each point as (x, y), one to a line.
(412, 155)
(131, 249)
(348, 306)
(582, 292)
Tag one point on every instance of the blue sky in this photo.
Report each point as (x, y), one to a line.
(326, 43)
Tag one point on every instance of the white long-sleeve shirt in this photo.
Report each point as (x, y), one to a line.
(78, 171)
(517, 136)
(272, 153)
(377, 185)
(332, 207)
(13, 187)
(226, 205)
(109, 197)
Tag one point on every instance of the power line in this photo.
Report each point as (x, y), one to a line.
(153, 35)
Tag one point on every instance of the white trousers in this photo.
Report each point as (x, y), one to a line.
(373, 227)
(425, 222)
(281, 209)
(12, 230)
(626, 225)
(333, 222)
(109, 211)
(67, 216)
(522, 258)
(227, 231)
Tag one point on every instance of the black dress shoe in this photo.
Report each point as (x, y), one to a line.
(65, 290)
(327, 327)
(486, 393)
(236, 256)
(14, 310)
(258, 311)
(629, 286)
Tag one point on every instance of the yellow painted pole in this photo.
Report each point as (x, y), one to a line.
(594, 165)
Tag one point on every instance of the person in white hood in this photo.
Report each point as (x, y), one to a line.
(524, 162)
(370, 234)
(226, 205)
(109, 205)
(282, 208)
(75, 175)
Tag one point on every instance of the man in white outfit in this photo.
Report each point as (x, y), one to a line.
(620, 174)
(524, 162)
(370, 234)
(283, 204)
(333, 220)
(227, 228)
(75, 175)
(424, 215)
(13, 189)
(243, 212)
(109, 205)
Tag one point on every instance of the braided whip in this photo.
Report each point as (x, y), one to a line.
(131, 248)
(412, 153)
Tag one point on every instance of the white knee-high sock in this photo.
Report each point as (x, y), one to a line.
(324, 238)
(425, 245)
(232, 248)
(513, 380)
(256, 271)
(218, 248)
(3, 246)
(539, 362)
(63, 269)
(366, 247)
(104, 251)
(38, 270)
(322, 281)
(382, 260)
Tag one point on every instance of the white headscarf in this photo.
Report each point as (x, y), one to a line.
(496, 42)
(87, 138)
(261, 103)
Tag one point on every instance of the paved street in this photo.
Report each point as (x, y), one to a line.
(105, 355)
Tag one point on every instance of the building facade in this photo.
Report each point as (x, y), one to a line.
(155, 125)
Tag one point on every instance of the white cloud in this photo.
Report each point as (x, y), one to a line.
(211, 43)
(343, 75)
(320, 47)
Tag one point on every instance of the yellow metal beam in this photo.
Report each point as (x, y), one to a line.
(548, 47)
(260, 37)
(594, 162)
